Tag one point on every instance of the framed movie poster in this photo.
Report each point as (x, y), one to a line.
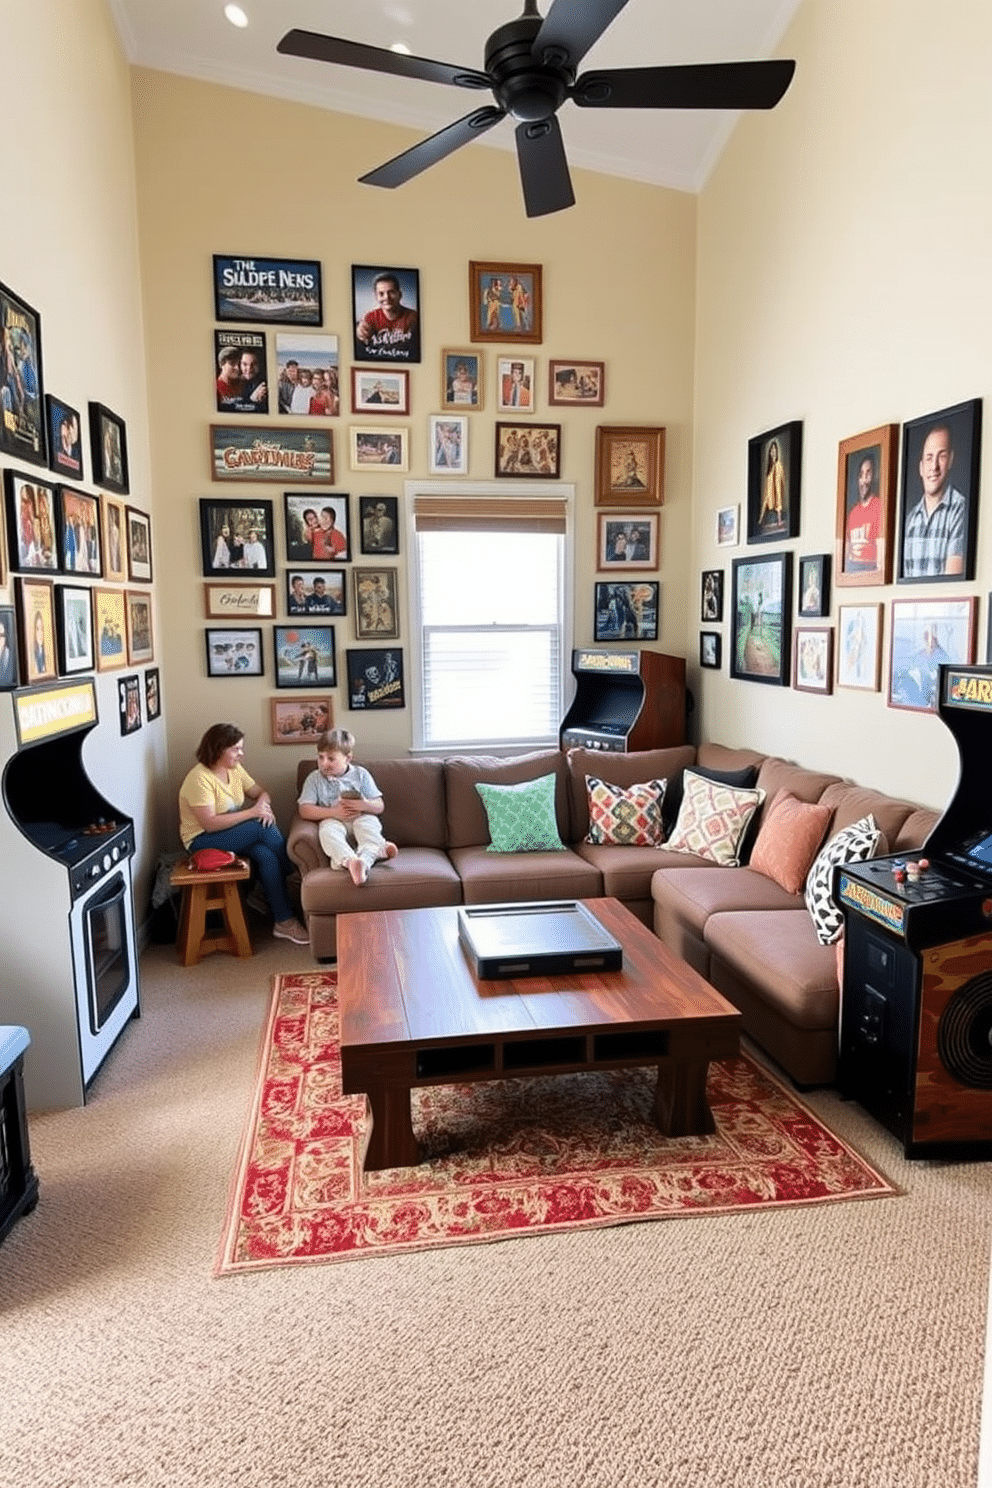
(300, 720)
(129, 703)
(140, 643)
(461, 379)
(866, 503)
(812, 658)
(36, 626)
(74, 629)
(385, 304)
(924, 634)
(241, 372)
(504, 301)
(774, 470)
(22, 409)
(65, 442)
(316, 591)
(859, 646)
(309, 381)
(376, 609)
(279, 291)
(380, 524)
(32, 532)
(305, 656)
(630, 466)
(109, 628)
(235, 653)
(626, 612)
(257, 452)
(153, 694)
(939, 515)
(576, 384)
(9, 670)
(317, 531)
(236, 535)
(761, 619)
(139, 545)
(78, 518)
(375, 678)
(627, 540)
(108, 449)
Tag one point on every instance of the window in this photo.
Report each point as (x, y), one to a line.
(488, 593)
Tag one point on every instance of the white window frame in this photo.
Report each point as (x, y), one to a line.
(503, 491)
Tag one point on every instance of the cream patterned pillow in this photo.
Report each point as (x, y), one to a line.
(713, 819)
(625, 816)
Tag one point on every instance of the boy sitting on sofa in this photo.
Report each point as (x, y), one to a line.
(343, 798)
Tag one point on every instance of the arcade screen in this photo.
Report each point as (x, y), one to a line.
(979, 847)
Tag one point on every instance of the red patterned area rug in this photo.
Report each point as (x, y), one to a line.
(502, 1159)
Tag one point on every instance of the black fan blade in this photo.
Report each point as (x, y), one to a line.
(317, 48)
(543, 168)
(403, 168)
(712, 85)
(571, 27)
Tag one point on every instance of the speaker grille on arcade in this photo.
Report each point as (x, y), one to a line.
(953, 1101)
(964, 1033)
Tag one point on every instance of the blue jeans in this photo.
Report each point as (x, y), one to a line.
(266, 847)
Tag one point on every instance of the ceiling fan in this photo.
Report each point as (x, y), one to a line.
(530, 66)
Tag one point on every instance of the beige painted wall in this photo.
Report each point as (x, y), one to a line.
(223, 172)
(68, 245)
(844, 281)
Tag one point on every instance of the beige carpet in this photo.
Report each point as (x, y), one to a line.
(800, 1348)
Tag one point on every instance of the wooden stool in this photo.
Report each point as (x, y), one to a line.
(216, 888)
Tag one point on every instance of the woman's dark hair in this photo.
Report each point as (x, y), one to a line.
(219, 736)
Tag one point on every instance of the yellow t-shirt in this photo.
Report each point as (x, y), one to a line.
(203, 788)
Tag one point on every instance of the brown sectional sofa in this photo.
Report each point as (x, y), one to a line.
(749, 937)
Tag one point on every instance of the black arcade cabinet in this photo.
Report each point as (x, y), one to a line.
(916, 1015)
(625, 700)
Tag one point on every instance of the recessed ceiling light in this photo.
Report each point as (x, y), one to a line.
(400, 46)
(235, 15)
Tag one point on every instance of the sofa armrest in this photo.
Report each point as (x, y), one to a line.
(303, 846)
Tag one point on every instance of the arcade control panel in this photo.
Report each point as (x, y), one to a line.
(922, 902)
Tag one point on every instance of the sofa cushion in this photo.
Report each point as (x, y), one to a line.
(780, 774)
(467, 822)
(712, 819)
(414, 796)
(914, 831)
(500, 878)
(788, 839)
(780, 959)
(521, 817)
(417, 878)
(621, 770)
(849, 803)
(691, 895)
(626, 871)
(625, 816)
(852, 844)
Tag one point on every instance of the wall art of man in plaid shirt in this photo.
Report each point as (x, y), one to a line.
(936, 528)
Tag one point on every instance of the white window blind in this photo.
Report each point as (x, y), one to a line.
(491, 605)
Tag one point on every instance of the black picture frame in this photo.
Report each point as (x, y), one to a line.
(9, 663)
(374, 339)
(23, 432)
(138, 527)
(379, 526)
(774, 481)
(375, 678)
(79, 533)
(32, 526)
(221, 522)
(711, 595)
(65, 439)
(305, 656)
(710, 649)
(761, 619)
(129, 703)
(234, 653)
(315, 525)
(626, 611)
(527, 451)
(153, 694)
(813, 586)
(108, 450)
(316, 591)
(241, 375)
(276, 291)
(959, 430)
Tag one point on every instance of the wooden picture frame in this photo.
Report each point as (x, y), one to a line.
(225, 536)
(866, 503)
(761, 619)
(153, 694)
(129, 703)
(109, 629)
(382, 391)
(379, 525)
(813, 658)
(139, 545)
(77, 517)
(774, 480)
(376, 604)
(711, 595)
(625, 612)
(505, 301)
(528, 451)
(269, 452)
(65, 439)
(941, 455)
(316, 591)
(308, 377)
(375, 678)
(23, 431)
(620, 534)
(239, 601)
(710, 649)
(923, 634)
(74, 629)
(447, 447)
(317, 527)
(108, 450)
(113, 520)
(32, 527)
(35, 601)
(859, 646)
(234, 653)
(140, 630)
(461, 380)
(515, 385)
(10, 671)
(813, 587)
(371, 448)
(630, 465)
(300, 721)
(305, 656)
(385, 313)
(728, 527)
(277, 291)
(576, 384)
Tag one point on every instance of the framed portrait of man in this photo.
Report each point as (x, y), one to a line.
(866, 498)
(385, 313)
(940, 471)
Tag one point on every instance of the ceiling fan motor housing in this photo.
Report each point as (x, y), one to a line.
(527, 89)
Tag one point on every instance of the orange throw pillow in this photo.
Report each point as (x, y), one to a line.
(788, 840)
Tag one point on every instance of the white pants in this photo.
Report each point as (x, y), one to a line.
(367, 832)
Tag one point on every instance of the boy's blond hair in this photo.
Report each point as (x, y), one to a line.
(336, 741)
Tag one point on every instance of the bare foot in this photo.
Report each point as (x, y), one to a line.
(391, 850)
(359, 872)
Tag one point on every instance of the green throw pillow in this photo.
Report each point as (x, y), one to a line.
(522, 817)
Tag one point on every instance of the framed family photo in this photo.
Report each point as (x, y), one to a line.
(866, 502)
(375, 678)
(321, 591)
(140, 642)
(239, 601)
(381, 391)
(139, 545)
(812, 658)
(279, 291)
(257, 452)
(300, 720)
(939, 515)
(109, 629)
(370, 447)
(448, 444)
(65, 440)
(108, 450)
(385, 305)
(234, 653)
(504, 302)
(380, 524)
(774, 469)
(308, 382)
(461, 379)
(32, 531)
(78, 517)
(630, 466)
(36, 629)
(924, 634)
(627, 540)
(761, 619)
(859, 646)
(711, 597)
(114, 519)
(23, 431)
(74, 629)
(241, 372)
(626, 612)
(814, 586)
(376, 608)
(305, 656)
(317, 530)
(576, 384)
(235, 536)
(529, 451)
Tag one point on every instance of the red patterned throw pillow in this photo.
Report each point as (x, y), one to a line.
(625, 816)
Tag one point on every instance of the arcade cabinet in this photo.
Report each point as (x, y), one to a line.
(916, 1011)
(625, 700)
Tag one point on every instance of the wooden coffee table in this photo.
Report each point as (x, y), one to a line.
(413, 1013)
